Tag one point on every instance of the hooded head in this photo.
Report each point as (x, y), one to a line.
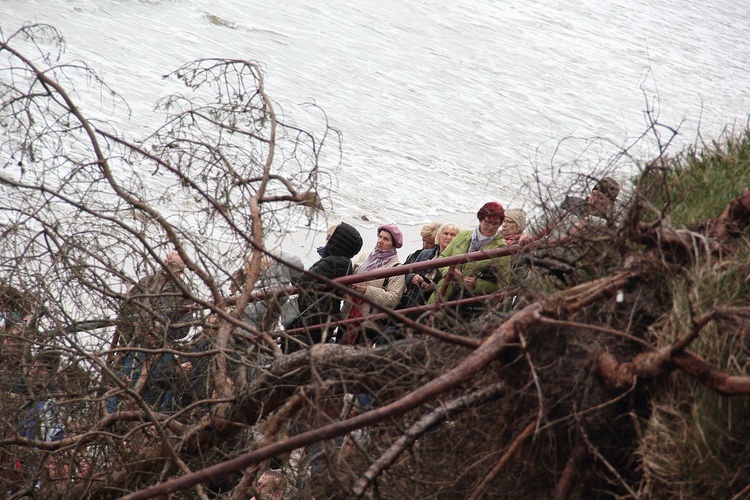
(398, 238)
(277, 272)
(345, 241)
(601, 201)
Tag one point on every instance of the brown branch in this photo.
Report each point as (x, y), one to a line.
(658, 362)
(534, 375)
(418, 429)
(696, 327)
(569, 476)
(651, 365)
(241, 490)
(734, 218)
(742, 494)
(514, 446)
(493, 346)
(667, 237)
(709, 376)
(272, 428)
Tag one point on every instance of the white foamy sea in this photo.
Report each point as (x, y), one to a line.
(442, 105)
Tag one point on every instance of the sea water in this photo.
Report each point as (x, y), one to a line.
(441, 105)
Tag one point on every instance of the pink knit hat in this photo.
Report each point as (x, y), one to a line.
(398, 238)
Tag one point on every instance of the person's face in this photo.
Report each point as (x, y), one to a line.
(212, 324)
(488, 226)
(177, 269)
(11, 341)
(428, 242)
(598, 200)
(11, 345)
(235, 283)
(385, 241)
(40, 370)
(446, 236)
(175, 263)
(509, 228)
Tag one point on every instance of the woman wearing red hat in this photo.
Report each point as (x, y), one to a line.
(483, 276)
(383, 291)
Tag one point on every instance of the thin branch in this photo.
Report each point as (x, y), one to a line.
(492, 346)
(597, 328)
(537, 383)
(512, 449)
(423, 425)
(595, 451)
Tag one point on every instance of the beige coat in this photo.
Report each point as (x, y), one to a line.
(387, 296)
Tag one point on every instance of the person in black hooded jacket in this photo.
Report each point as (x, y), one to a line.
(318, 305)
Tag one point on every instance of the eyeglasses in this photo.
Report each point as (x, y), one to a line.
(492, 223)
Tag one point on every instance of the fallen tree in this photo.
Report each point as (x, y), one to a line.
(583, 380)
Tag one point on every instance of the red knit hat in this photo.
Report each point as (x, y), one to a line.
(491, 209)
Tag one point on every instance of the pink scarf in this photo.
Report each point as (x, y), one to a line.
(376, 260)
(513, 239)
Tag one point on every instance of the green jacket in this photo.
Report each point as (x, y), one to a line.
(492, 274)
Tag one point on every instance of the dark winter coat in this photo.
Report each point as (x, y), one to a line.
(160, 294)
(164, 387)
(316, 304)
(412, 258)
(416, 295)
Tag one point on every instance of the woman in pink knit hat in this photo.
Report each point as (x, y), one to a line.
(382, 291)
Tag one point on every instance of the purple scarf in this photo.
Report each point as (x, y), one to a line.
(478, 240)
(376, 260)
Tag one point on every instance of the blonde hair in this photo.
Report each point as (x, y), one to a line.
(445, 227)
(430, 229)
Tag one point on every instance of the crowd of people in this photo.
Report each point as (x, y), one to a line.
(320, 313)
(496, 227)
(156, 312)
(26, 385)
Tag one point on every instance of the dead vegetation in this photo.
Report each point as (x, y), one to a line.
(622, 372)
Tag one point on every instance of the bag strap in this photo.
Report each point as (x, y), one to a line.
(388, 278)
